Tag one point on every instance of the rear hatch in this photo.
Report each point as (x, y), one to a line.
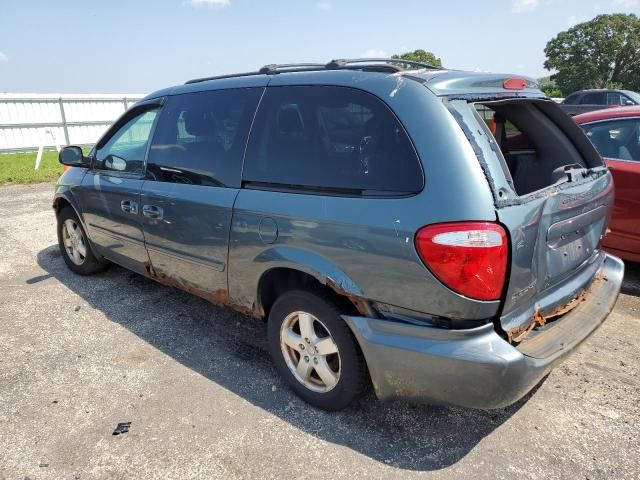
(552, 194)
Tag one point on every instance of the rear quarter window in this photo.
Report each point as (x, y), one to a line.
(330, 138)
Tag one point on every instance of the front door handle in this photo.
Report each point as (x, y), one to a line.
(152, 212)
(129, 206)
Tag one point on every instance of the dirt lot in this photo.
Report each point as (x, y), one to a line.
(80, 355)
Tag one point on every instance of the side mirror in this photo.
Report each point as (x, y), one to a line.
(72, 156)
(628, 103)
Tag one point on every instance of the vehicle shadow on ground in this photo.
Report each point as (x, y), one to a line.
(231, 350)
(631, 282)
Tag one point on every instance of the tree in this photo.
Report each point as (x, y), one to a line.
(420, 56)
(601, 53)
(549, 87)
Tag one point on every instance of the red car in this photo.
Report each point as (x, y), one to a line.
(615, 132)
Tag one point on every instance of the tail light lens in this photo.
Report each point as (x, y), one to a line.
(468, 257)
(514, 84)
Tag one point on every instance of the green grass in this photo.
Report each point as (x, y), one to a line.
(17, 168)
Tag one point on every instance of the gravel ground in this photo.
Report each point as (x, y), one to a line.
(80, 355)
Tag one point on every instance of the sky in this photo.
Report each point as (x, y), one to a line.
(138, 46)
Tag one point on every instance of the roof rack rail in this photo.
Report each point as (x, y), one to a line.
(337, 64)
(275, 67)
(343, 63)
(219, 77)
(266, 70)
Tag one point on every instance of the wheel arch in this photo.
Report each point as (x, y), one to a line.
(295, 268)
(65, 198)
(61, 202)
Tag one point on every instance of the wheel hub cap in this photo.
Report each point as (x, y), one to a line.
(73, 241)
(310, 352)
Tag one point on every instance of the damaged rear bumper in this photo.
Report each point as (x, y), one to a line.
(476, 367)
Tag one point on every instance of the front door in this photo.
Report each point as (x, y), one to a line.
(110, 192)
(193, 178)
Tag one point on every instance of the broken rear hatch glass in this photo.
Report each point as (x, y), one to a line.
(553, 195)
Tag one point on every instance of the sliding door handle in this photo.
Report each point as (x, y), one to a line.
(152, 212)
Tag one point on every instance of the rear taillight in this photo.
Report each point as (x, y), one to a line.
(468, 257)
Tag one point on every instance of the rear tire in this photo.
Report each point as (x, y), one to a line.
(74, 245)
(314, 350)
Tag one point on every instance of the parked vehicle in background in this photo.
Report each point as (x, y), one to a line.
(588, 100)
(369, 214)
(616, 134)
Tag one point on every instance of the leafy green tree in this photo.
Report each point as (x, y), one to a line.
(600, 53)
(552, 92)
(420, 56)
(549, 87)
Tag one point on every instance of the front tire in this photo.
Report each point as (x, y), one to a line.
(314, 350)
(74, 245)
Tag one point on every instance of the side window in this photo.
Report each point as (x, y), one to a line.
(330, 139)
(572, 99)
(614, 98)
(594, 98)
(201, 137)
(618, 139)
(125, 150)
(625, 100)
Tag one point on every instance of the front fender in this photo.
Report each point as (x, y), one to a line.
(64, 191)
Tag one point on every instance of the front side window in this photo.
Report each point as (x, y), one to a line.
(614, 98)
(618, 139)
(201, 137)
(330, 139)
(125, 150)
(633, 97)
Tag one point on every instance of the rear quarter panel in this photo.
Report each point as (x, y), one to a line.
(367, 243)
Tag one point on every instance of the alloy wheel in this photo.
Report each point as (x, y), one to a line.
(74, 242)
(310, 351)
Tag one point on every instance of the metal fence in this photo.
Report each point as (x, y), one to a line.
(29, 121)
